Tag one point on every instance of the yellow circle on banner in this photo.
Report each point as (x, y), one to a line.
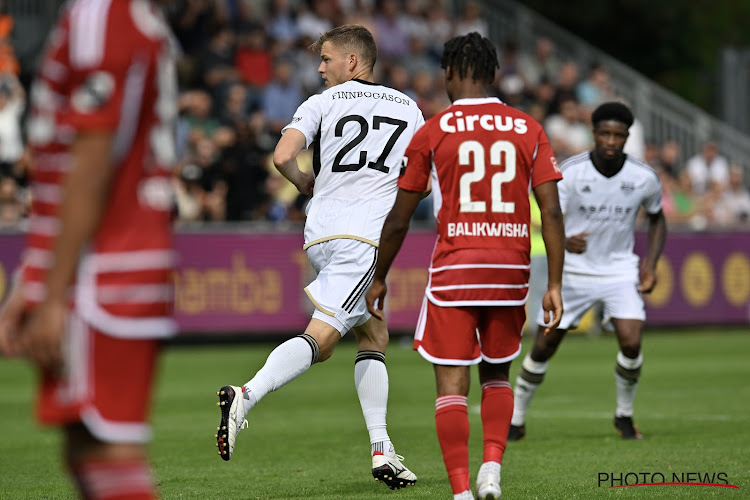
(3, 282)
(735, 279)
(664, 288)
(697, 278)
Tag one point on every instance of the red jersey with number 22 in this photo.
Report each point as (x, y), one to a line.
(483, 157)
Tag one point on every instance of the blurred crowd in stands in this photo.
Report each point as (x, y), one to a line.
(245, 67)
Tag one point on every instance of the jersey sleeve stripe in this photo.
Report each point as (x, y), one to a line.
(135, 82)
(88, 25)
(644, 166)
(574, 160)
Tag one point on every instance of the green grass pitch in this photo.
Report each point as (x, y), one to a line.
(309, 441)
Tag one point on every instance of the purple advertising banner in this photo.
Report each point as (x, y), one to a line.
(252, 282)
(703, 278)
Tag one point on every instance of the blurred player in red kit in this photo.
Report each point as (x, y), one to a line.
(93, 296)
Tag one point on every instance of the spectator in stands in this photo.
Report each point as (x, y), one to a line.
(707, 168)
(283, 23)
(542, 65)
(217, 63)
(732, 208)
(635, 146)
(509, 60)
(439, 28)
(472, 20)
(189, 194)
(12, 207)
(237, 106)
(253, 58)
(565, 87)
(316, 18)
(12, 105)
(242, 167)
(595, 89)
(413, 22)
(192, 23)
(397, 77)
(195, 113)
(8, 60)
(568, 135)
(392, 40)
(281, 97)
(6, 22)
(651, 155)
(669, 158)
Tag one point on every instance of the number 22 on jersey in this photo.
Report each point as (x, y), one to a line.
(499, 151)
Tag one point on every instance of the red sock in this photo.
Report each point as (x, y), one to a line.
(497, 410)
(452, 422)
(107, 480)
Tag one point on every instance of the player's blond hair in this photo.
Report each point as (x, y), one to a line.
(351, 37)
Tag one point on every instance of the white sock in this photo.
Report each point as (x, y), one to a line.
(371, 381)
(285, 363)
(524, 390)
(488, 469)
(626, 387)
(464, 495)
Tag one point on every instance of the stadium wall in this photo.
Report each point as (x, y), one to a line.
(252, 282)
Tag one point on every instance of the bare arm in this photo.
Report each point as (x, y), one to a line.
(391, 238)
(285, 160)
(86, 189)
(657, 235)
(553, 233)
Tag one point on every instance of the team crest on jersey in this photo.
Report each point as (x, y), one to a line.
(94, 92)
(586, 189)
(627, 187)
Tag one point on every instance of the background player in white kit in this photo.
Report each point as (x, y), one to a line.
(360, 131)
(600, 195)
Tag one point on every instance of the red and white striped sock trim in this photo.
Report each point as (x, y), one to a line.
(496, 383)
(117, 480)
(449, 400)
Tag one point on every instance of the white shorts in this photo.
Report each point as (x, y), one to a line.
(345, 269)
(621, 300)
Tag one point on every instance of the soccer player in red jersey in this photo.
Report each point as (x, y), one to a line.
(483, 156)
(94, 294)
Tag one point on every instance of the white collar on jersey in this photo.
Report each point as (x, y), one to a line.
(477, 100)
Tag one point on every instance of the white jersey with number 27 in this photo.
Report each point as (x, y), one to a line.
(605, 208)
(359, 131)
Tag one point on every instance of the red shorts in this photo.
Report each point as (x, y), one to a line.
(467, 335)
(106, 386)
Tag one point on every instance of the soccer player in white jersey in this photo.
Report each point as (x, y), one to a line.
(600, 195)
(359, 131)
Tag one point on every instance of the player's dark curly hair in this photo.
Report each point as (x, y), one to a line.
(470, 53)
(616, 111)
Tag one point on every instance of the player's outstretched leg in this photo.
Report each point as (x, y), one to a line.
(232, 419)
(285, 363)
